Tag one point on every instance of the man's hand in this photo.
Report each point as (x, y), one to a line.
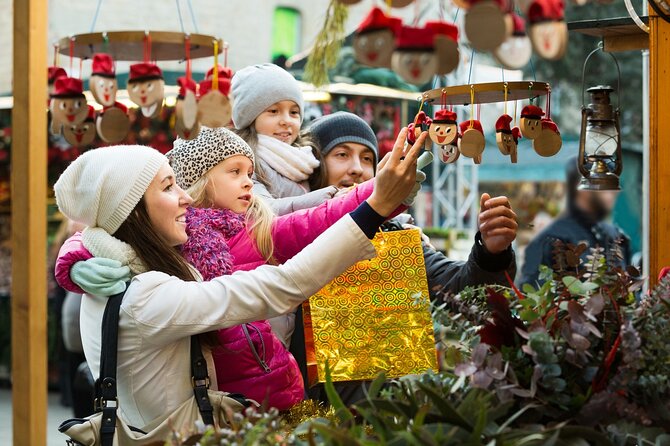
(497, 223)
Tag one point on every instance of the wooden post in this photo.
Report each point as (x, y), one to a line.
(28, 194)
(659, 145)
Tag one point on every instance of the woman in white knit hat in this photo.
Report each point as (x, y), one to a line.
(135, 212)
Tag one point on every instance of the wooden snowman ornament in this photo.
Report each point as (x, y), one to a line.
(485, 25)
(515, 52)
(103, 84)
(472, 141)
(507, 138)
(530, 122)
(146, 88)
(414, 58)
(549, 142)
(375, 37)
(443, 129)
(446, 46)
(68, 103)
(186, 110)
(81, 135)
(214, 106)
(548, 31)
(112, 124)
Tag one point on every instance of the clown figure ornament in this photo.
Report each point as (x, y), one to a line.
(103, 82)
(68, 103)
(414, 58)
(146, 88)
(443, 129)
(81, 135)
(374, 40)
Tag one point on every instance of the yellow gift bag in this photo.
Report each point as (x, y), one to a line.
(374, 317)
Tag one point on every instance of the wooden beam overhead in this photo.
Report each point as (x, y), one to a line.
(619, 34)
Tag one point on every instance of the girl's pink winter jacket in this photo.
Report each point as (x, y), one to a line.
(268, 372)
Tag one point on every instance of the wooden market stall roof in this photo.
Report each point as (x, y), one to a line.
(618, 34)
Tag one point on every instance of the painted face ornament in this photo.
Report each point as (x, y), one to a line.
(446, 46)
(414, 58)
(449, 153)
(81, 135)
(444, 129)
(514, 53)
(146, 88)
(530, 122)
(548, 31)
(103, 84)
(472, 141)
(68, 103)
(374, 40)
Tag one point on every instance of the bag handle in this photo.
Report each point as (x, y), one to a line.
(105, 386)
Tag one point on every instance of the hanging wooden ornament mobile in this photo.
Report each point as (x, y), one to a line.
(214, 105)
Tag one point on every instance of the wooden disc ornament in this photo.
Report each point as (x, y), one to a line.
(472, 141)
(146, 88)
(186, 109)
(375, 37)
(485, 25)
(549, 142)
(548, 31)
(214, 106)
(449, 153)
(81, 135)
(530, 122)
(68, 103)
(102, 83)
(113, 124)
(414, 58)
(446, 46)
(507, 138)
(515, 52)
(443, 129)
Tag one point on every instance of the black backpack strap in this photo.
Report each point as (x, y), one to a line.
(200, 381)
(105, 387)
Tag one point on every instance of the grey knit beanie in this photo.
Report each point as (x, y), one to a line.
(342, 127)
(257, 87)
(191, 159)
(102, 187)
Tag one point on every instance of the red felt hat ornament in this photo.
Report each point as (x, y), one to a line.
(415, 39)
(519, 26)
(516, 134)
(446, 45)
(532, 111)
(103, 65)
(224, 73)
(67, 87)
(186, 84)
(144, 71)
(474, 123)
(503, 124)
(91, 114)
(377, 20)
(206, 86)
(445, 116)
(54, 73)
(546, 10)
(443, 29)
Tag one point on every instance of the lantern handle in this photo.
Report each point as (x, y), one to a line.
(618, 85)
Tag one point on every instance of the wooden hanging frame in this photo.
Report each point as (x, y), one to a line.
(488, 92)
(129, 45)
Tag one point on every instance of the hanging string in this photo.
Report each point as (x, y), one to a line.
(548, 102)
(225, 54)
(181, 22)
(388, 7)
(215, 77)
(516, 103)
(95, 16)
(71, 53)
(416, 13)
(531, 99)
(81, 67)
(443, 98)
(147, 46)
(190, 8)
(56, 48)
(502, 70)
(505, 106)
(472, 61)
(472, 106)
(187, 55)
(456, 15)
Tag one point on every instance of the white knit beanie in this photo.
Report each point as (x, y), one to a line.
(257, 87)
(102, 187)
(191, 159)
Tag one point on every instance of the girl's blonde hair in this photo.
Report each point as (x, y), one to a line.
(257, 220)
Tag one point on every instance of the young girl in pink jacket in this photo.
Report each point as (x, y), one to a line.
(229, 230)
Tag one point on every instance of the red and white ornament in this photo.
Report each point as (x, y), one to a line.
(443, 129)
(507, 138)
(548, 31)
(414, 58)
(472, 141)
(530, 121)
(81, 135)
(375, 37)
(549, 142)
(102, 83)
(68, 103)
(449, 153)
(214, 105)
(516, 50)
(146, 88)
(446, 46)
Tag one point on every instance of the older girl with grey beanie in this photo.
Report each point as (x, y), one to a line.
(267, 114)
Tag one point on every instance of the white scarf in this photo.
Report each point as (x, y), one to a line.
(295, 163)
(101, 244)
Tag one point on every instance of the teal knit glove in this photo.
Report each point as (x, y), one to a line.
(100, 276)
